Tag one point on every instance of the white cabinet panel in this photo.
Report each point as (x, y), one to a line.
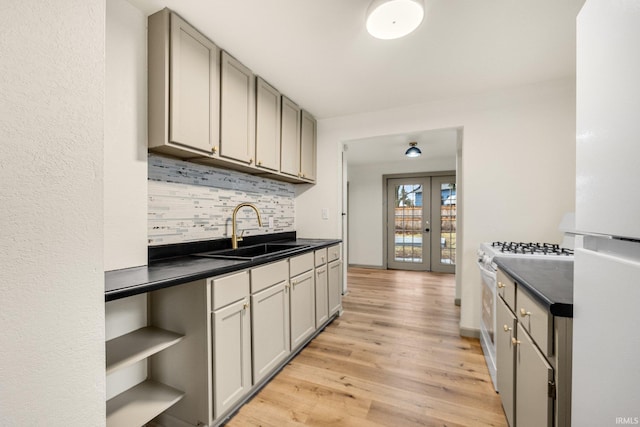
(607, 111)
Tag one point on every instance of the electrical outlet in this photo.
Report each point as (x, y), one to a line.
(271, 224)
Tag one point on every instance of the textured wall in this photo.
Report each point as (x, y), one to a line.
(190, 202)
(51, 216)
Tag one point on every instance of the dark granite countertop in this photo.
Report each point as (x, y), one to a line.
(187, 268)
(549, 282)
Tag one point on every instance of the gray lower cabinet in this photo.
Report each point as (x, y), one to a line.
(322, 295)
(271, 340)
(533, 359)
(231, 329)
(335, 287)
(303, 308)
(183, 87)
(302, 297)
(505, 358)
(534, 403)
(213, 341)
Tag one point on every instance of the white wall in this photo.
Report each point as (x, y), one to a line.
(51, 214)
(125, 132)
(366, 197)
(518, 158)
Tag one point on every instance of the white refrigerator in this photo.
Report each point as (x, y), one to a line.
(606, 322)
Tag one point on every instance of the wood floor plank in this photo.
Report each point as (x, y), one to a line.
(394, 358)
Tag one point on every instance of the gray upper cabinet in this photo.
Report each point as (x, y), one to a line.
(268, 113)
(183, 86)
(237, 111)
(308, 146)
(207, 107)
(290, 138)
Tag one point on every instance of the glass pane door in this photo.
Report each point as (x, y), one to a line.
(408, 202)
(444, 202)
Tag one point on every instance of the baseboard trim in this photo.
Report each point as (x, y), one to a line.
(375, 267)
(470, 333)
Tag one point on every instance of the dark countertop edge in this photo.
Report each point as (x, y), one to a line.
(140, 288)
(555, 308)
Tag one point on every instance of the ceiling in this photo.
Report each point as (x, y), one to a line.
(436, 144)
(319, 54)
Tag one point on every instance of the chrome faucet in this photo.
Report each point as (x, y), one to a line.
(234, 237)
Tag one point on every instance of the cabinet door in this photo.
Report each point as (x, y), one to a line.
(308, 146)
(322, 296)
(231, 355)
(237, 110)
(270, 337)
(303, 316)
(184, 83)
(290, 138)
(335, 287)
(505, 357)
(534, 406)
(268, 112)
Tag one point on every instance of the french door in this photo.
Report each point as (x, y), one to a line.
(408, 223)
(421, 223)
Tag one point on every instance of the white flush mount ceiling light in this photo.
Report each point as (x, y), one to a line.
(413, 151)
(392, 19)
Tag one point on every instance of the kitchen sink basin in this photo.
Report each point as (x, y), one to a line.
(249, 253)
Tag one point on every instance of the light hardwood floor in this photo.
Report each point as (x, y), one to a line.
(394, 358)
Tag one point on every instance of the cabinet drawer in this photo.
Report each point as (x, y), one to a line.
(300, 264)
(507, 289)
(321, 257)
(268, 275)
(333, 253)
(228, 289)
(536, 320)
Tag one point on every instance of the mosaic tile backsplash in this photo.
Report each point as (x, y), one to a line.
(190, 202)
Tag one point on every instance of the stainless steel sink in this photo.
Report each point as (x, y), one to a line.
(249, 253)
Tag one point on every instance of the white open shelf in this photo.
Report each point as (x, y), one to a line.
(140, 404)
(138, 345)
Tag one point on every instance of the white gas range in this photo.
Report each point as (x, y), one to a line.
(488, 270)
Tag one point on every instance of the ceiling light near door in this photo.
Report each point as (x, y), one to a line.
(413, 151)
(392, 19)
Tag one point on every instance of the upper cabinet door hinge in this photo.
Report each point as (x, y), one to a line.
(551, 389)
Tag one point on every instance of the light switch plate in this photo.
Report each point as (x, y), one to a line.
(325, 213)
